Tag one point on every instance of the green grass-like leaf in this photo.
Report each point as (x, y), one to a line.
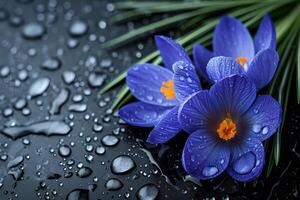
(167, 6)
(120, 96)
(280, 86)
(150, 27)
(298, 71)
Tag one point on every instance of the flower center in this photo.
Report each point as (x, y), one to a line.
(227, 129)
(167, 88)
(242, 61)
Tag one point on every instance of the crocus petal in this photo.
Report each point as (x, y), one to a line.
(145, 81)
(203, 156)
(247, 160)
(233, 95)
(232, 39)
(263, 67)
(201, 57)
(221, 67)
(195, 112)
(186, 81)
(266, 35)
(170, 51)
(166, 128)
(142, 114)
(264, 117)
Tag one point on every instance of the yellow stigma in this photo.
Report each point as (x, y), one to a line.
(167, 88)
(227, 129)
(241, 60)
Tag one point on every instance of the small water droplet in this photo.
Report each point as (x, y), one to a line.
(113, 184)
(256, 128)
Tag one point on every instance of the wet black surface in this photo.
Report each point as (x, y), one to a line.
(51, 68)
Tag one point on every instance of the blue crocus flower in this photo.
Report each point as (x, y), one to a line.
(232, 43)
(227, 125)
(160, 91)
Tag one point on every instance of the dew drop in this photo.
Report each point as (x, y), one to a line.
(39, 86)
(256, 128)
(209, 171)
(122, 164)
(147, 192)
(245, 163)
(113, 184)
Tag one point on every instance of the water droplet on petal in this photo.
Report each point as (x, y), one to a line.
(245, 163)
(256, 128)
(265, 130)
(209, 171)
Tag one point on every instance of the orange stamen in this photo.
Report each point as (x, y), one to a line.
(227, 129)
(167, 88)
(241, 60)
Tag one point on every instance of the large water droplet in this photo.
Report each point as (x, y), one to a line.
(122, 164)
(209, 171)
(78, 28)
(39, 86)
(33, 30)
(78, 194)
(68, 77)
(47, 128)
(147, 192)
(77, 107)
(59, 101)
(245, 163)
(15, 162)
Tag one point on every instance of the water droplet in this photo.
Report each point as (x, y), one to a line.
(96, 80)
(77, 107)
(122, 164)
(47, 128)
(255, 111)
(110, 140)
(245, 163)
(209, 171)
(64, 151)
(78, 194)
(5, 71)
(15, 162)
(265, 130)
(100, 150)
(33, 30)
(51, 64)
(147, 192)
(39, 86)
(68, 77)
(20, 104)
(113, 184)
(256, 128)
(59, 101)
(84, 172)
(78, 28)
